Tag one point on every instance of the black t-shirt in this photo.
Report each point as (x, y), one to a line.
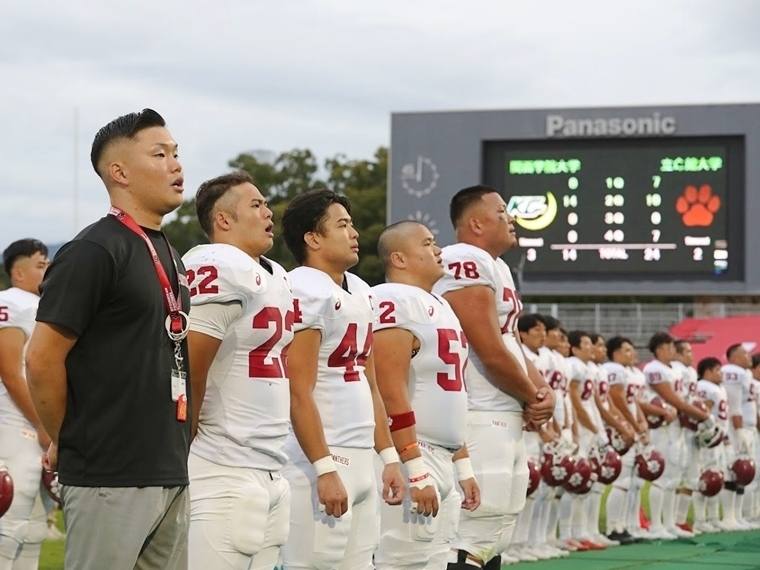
(120, 427)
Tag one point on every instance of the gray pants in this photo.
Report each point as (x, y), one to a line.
(125, 528)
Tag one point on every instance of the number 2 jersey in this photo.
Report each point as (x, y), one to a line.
(18, 309)
(245, 415)
(470, 266)
(345, 317)
(436, 388)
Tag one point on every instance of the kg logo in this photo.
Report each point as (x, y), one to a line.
(533, 213)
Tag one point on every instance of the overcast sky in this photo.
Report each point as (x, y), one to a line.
(236, 75)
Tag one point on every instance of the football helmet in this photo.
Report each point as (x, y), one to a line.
(687, 422)
(710, 482)
(609, 467)
(556, 466)
(656, 421)
(535, 477)
(743, 469)
(6, 490)
(617, 442)
(649, 463)
(582, 477)
(50, 481)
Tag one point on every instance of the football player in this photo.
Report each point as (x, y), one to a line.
(667, 383)
(712, 392)
(501, 385)
(682, 364)
(337, 413)
(22, 437)
(241, 324)
(742, 429)
(624, 393)
(752, 506)
(420, 357)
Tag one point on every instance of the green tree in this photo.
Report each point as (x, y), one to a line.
(5, 281)
(364, 182)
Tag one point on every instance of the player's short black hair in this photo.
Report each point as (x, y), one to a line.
(756, 360)
(527, 322)
(657, 340)
(681, 345)
(22, 248)
(616, 343)
(211, 191)
(575, 338)
(465, 198)
(124, 127)
(731, 349)
(563, 331)
(551, 323)
(595, 337)
(306, 213)
(707, 364)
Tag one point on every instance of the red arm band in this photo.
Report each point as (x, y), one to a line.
(401, 421)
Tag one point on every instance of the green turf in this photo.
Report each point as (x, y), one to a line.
(733, 550)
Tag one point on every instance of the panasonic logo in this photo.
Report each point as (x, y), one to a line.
(559, 126)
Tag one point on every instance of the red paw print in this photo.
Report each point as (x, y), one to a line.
(697, 207)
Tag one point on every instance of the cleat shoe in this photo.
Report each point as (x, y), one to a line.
(604, 541)
(679, 532)
(591, 545)
(623, 538)
(704, 527)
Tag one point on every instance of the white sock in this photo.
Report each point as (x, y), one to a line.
(728, 500)
(566, 516)
(656, 498)
(682, 507)
(738, 507)
(669, 508)
(713, 509)
(616, 510)
(700, 504)
(578, 516)
(552, 518)
(594, 506)
(633, 505)
(522, 526)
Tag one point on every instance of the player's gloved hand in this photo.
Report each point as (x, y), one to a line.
(566, 436)
(709, 435)
(744, 442)
(393, 484)
(332, 494)
(541, 411)
(707, 425)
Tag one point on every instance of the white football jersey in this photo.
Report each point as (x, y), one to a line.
(619, 375)
(602, 382)
(346, 319)
(245, 415)
(470, 266)
(18, 309)
(585, 375)
(741, 393)
(436, 376)
(557, 380)
(715, 393)
(688, 380)
(657, 372)
(639, 383)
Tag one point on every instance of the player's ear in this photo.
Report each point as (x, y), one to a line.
(475, 225)
(398, 259)
(312, 241)
(222, 220)
(117, 172)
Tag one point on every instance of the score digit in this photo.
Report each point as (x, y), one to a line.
(656, 181)
(656, 235)
(698, 254)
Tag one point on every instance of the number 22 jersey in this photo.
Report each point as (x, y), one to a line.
(345, 317)
(470, 266)
(245, 414)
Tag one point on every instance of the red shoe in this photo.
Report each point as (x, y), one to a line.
(592, 545)
(685, 526)
(576, 545)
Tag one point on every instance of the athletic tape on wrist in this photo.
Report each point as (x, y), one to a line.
(464, 469)
(417, 473)
(389, 455)
(324, 465)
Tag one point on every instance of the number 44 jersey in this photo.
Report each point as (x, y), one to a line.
(470, 266)
(436, 375)
(345, 317)
(245, 415)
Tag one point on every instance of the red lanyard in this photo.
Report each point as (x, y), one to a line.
(173, 304)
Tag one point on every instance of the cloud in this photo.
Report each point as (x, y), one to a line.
(232, 76)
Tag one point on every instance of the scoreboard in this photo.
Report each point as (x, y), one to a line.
(607, 201)
(622, 208)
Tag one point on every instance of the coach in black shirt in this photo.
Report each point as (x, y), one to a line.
(107, 362)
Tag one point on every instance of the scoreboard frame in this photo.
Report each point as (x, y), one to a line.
(435, 154)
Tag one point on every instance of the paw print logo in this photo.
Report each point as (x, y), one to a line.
(697, 207)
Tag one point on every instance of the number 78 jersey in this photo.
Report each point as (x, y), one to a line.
(469, 266)
(345, 318)
(436, 374)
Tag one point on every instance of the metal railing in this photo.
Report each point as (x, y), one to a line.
(635, 321)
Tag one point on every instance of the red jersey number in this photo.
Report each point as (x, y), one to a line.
(260, 363)
(346, 354)
(511, 296)
(205, 287)
(468, 269)
(445, 338)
